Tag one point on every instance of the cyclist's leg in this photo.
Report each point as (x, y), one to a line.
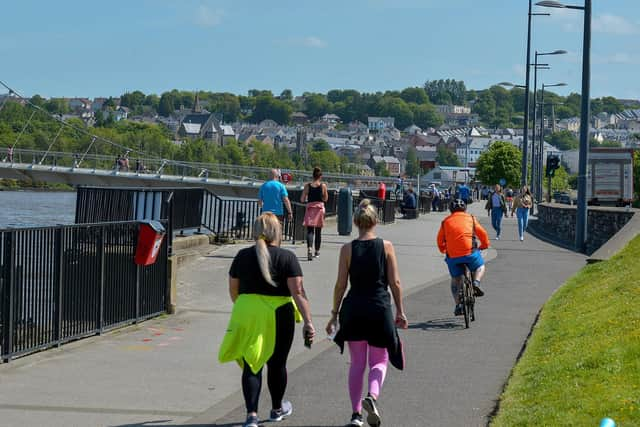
(476, 265)
(478, 273)
(456, 271)
(456, 284)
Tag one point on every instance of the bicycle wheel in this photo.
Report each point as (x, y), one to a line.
(471, 296)
(466, 308)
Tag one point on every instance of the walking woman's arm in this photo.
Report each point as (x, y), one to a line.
(234, 288)
(325, 193)
(341, 285)
(300, 297)
(394, 282)
(305, 194)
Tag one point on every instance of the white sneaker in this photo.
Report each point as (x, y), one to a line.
(521, 238)
(497, 237)
(282, 413)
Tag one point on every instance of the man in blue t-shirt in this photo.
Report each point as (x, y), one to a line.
(464, 193)
(272, 195)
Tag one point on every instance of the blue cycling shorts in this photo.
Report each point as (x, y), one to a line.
(474, 261)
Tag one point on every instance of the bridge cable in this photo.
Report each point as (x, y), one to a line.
(23, 129)
(93, 139)
(51, 145)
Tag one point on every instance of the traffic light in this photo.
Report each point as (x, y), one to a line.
(553, 163)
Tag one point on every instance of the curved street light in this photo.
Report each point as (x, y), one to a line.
(581, 213)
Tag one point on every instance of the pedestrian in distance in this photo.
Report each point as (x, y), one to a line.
(264, 283)
(366, 320)
(497, 205)
(273, 195)
(315, 195)
(521, 205)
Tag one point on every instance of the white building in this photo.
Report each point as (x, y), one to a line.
(379, 123)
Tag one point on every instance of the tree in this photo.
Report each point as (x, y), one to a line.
(416, 95)
(165, 106)
(563, 140)
(485, 107)
(446, 91)
(426, 116)
(132, 99)
(397, 108)
(286, 95)
(413, 165)
(501, 161)
(320, 145)
(380, 169)
(328, 161)
(316, 106)
(560, 180)
(446, 157)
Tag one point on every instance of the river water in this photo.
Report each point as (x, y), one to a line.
(36, 208)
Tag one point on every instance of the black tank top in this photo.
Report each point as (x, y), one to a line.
(315, 193)
(368, 268)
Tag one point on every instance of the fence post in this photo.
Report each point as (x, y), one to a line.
(100, 320)
(8, 306)
(138, 268)
(58, 254)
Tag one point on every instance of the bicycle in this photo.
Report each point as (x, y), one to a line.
(467, 297)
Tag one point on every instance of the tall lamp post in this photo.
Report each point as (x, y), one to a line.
(541, 143)
(581, 214)
(535, 171)
(525, 140)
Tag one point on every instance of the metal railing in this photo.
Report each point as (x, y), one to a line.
(62, 283)
(161, 166)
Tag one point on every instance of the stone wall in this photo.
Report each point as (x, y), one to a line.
(558, 222)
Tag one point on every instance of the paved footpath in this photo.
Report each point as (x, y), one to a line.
(165, 372)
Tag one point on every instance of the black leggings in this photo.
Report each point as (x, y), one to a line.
(277, 364)
(318, 239)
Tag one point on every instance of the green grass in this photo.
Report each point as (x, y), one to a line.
(582, 362)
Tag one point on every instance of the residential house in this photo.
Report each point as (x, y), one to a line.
(431, 140)
(392, 164)
(379, 123)
(79, 104)
(389, 134)
(571, 124)
(358, 127)
(331, 119)
(458, 115)
(453, 109)
(201, 125)
(413, 130)
(427, 157)
(299, 118)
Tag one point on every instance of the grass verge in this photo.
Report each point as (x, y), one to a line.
(582, 362)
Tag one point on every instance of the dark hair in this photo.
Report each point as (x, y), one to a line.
(317, 173)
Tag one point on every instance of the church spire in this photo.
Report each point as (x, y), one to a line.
(196, 104)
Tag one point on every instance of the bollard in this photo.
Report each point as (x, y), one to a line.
(345, 211)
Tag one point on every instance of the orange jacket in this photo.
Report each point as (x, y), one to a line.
(455, 235)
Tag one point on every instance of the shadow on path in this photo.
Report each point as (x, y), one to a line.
(438, 325)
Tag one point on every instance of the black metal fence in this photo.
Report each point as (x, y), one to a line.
(63, 283)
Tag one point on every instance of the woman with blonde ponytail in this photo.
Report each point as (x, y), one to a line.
(265, 285)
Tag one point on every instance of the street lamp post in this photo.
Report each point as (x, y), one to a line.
(525, 139)
(540, 165)
(581, 214)
(535, 162)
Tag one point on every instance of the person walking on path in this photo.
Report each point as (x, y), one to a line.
(458, 239)
(521, 205)
(315, 194)
(273, 195)
(498, 207)
(366, 319)
(266, 288)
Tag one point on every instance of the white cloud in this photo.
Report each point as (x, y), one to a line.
(313, 42)
(612, 24)
(207, 17)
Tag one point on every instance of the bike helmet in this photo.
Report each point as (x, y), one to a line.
(457, 205)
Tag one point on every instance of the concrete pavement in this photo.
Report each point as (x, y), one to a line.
(453, 376)
(165, 371)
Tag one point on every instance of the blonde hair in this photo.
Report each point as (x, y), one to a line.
(266, 230)
(366, 215)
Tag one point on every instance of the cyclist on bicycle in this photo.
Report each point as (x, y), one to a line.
(458, 239)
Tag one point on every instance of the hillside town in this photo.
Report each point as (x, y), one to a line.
(377, 147)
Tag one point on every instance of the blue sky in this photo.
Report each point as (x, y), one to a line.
(80, 48)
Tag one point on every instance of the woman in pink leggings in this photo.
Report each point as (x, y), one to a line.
(366, 318)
